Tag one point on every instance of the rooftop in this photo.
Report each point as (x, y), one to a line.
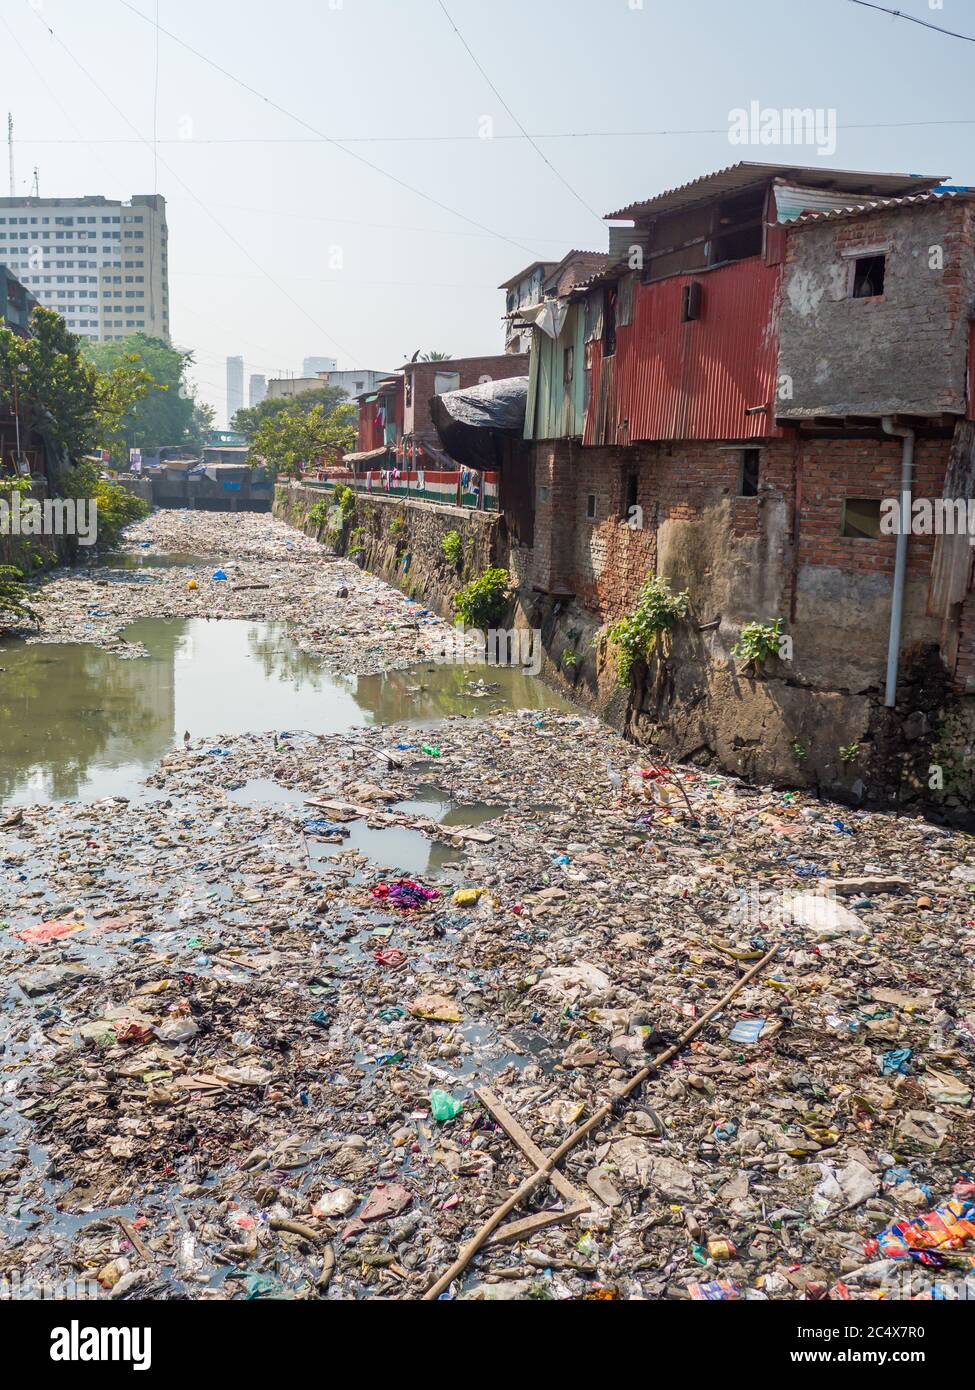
(745, 174)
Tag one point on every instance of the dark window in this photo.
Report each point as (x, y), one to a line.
(591, 506)
(861, 518)
(630, 492)
(691, 302)
(868, 276)
(568, 364)
(609, 322)
(748, 475)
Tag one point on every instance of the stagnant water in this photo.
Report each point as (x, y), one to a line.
(80, 723)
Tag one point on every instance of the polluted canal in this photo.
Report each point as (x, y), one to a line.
(312, 948)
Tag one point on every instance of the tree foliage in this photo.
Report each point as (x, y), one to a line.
(292, 440)
(167, 412)
(75, 407)
(249, 420)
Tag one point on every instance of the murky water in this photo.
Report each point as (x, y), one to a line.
(81, 724)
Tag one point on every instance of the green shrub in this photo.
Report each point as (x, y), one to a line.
(850, 752)
(15, 610)
(452, 547)
(484, 601)
(658, 609)
(117, 507)
(319, 514)
(758, 641)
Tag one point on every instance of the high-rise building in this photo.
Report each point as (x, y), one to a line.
(313, 365)
(257, 389)
(102, 264)
(235, 387)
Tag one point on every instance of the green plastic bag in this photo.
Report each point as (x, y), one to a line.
(443, 1106)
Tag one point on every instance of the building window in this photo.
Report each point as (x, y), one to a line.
(691, 302)
(631, 483)
(748, 473)
(861, 518)
(609, 321)
(543, 493)
(868, 277)
(591, 507)
(568, 364)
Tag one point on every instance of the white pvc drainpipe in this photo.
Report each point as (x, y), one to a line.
(900, 557)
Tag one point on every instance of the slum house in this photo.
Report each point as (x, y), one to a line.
(531, 292)
(773, 352)
(398, 448)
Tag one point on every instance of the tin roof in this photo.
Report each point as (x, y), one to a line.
(744, 174)
(885, 204)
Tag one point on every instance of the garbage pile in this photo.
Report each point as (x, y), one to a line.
(189, 564)
(249, 1051)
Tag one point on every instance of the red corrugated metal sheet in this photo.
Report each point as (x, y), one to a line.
(675, 380)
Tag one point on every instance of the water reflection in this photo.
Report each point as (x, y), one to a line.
(80, 723)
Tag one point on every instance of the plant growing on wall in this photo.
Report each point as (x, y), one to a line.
(757, 642)
(850, 752)
(657, 610)
(15, 610)
(452, 547)
(484, 602)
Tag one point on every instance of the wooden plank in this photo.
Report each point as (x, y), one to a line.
(517, 1230)
(529, 1148)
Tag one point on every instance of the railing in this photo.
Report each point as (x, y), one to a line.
(462, 488)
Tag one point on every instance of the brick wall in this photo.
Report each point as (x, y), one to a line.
(737, 555)
(904, 350)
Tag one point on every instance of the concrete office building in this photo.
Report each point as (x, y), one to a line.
(313, 365)
(257, 389)
(102, 264)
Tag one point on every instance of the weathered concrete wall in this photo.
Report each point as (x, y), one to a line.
(905, 350)
(402, 542)
(695, 700)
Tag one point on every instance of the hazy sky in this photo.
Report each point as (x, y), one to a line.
(284, 246)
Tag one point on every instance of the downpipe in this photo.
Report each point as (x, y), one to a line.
(906, 437)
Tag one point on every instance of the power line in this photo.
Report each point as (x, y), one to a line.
(538, 150)
(913, 19)
(361, 159)
(477, 139)
(227, 233)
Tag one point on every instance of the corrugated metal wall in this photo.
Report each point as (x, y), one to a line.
(675, 380)
(555, 409)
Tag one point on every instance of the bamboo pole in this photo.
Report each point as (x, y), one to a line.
(594, 1121)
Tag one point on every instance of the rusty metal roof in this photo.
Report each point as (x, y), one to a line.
(884, 205)
(744, 174)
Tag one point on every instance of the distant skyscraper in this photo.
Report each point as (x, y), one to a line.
(235, 387)
(257, 390)
(313, 365)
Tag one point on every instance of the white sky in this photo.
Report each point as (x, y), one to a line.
(413, 274)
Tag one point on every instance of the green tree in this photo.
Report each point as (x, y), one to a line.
(291, 440)
(166, 413)
(249, 420)
(62, 395)
(435, 357)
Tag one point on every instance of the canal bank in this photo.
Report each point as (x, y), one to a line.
(241, 1056)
